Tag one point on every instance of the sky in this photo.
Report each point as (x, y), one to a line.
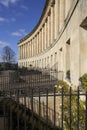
(17, 19)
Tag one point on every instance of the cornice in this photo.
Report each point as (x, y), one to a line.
(74, 5)
(52, 3)
(40, 20)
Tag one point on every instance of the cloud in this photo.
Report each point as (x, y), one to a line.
(3, 19)
(19, 33)
(7, 2)
(24, 7)
(3, 44)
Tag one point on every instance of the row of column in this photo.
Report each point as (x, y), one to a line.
(54, 62)
(46, 62)
(49, 30)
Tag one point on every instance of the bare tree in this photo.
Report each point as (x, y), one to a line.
(8, 55)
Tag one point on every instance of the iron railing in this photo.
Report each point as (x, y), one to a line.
(49, 110)
(27, 79)
(31, 102)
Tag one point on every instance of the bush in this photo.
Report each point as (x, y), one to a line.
(83, 80)
(74, 107)
(24, 68)
(74, 113)
(61, 84)
(2, 68)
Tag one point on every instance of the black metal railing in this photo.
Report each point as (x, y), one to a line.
(27, 79)
(31, 102)
(49, 110)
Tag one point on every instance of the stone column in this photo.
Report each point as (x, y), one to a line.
(37, 43)
(19, 52)
(52, 23)
(47, 32)
(61, 61)
(62, 13)
(29, 49)
(68, 4)
(42, 39)
(56, 7)
(44, 36)
(51, 62)
(33, 47)
(23, 51)
(48, 61)
(49, 28)
(26, 50)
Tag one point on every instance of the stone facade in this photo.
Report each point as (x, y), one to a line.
(59, 38)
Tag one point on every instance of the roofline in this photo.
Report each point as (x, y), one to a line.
(37, 25)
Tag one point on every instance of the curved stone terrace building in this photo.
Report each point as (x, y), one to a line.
(59, 40)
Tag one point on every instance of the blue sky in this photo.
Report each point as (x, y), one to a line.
(18, 18)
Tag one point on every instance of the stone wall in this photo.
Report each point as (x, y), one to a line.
(60, 37)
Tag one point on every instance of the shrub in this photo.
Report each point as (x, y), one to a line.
(24, 68)
(61, 84)
(73, 107)
(83, 80)
(74, 113)
(2, 68)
